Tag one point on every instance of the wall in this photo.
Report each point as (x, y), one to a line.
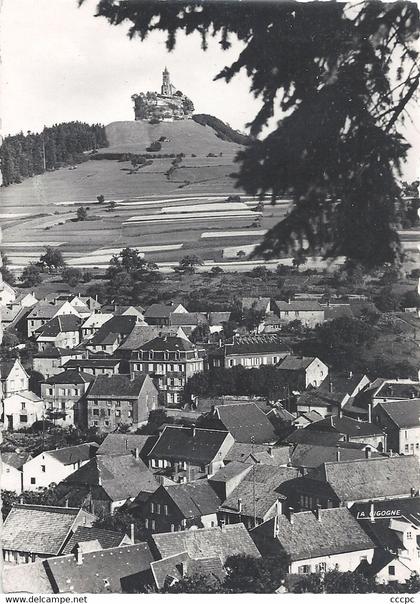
(347, 561)
(55, 471)
(11, 478)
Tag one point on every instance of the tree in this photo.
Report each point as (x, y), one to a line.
(299, 259)
(5, 272)
(216, 270)
(111, 206)
(100, 198)
(189, 263)
(335, 582)
(121, 521)
(31, 275)
(72, 276)
(52, 258)
(81, 213)
(329, 68)
(241, 254)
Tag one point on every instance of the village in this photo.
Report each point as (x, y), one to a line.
(145, 448)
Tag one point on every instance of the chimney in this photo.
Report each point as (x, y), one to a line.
(372, 512)
(338, 453)
(368, 452)
(136, 453)
(275, 526)
(350, 374)
(21, 499)
(270, 451)
(193, 431)
(318, 512)
(340, 411)
(291, 515)
(370, 405)
(66, 503)
(412, 492)
(330, 383)
(126, 443)
(79, 555)
(239, 505)
(132, 533)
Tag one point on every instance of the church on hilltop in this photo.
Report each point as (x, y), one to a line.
(168, 105)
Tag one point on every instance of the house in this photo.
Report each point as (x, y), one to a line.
(93, 323)
(301, 372)
(220, 542)
(107, 482)
(22, 410)
(85, 535)
(112, 333)
(315, 542)
(250, 453)
(31, 532)
(25, 300)
(168, 571)
(13, 376)
(252, 351)
(217, 320)
(186, 454)
(306, 457)
(121, 444)
(61, 331)
(54, 466)
(142, 334)
(160, 314)
(51, 360)
(7, 294)
(259, 496)
(401, 422)
(343, 483)
(383, 390)
(11, 470)
(115, 400)
(170, 361)
(124, 569)
(260, 305)
(94, 366)
(353, 430)
(309, 312)
(182, 507)
(394, 527)
(305, 418)
(43, 312)
(227, 478)
(245, 421)
(188, 321)
(64, 397)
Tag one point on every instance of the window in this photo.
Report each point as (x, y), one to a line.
(321, 567)
(417, 445)
(406, 448)
(50, 391)
(96, 423)
(405, 433)
(304, 569)
(42, 468)
(409, 535)
(95, 411)
(117, 413)
(33, 481)
(158, 508)
(166, 511)
(152, 507)
(106, 422)
(23, 405)
(153, 525)
(109, 412)
(129, 414)
(391, 570)
(23, 419)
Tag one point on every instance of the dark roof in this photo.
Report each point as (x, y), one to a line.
(144, 333)
(231, 470)
(15, 459)
(106, 571)
(6, 367)
(55, 352)
(218, 318)
(314, 437)
(182, 565)
(314, 397)
(194, 499)
(295, 363)
(371, 478)
(395, 390)
(39, 529)
(71, 455)
(44, 311)
(71, 376)
(343, 383)
(248, 453)
(120, 477)
(117, 386)
(336, 532)
(257, 344)
(404, 414)
(105, 537)
(408, 508)
(121, 444)
(170, 343)
(57, 325)
(160, 311)
(312, 456)
(188, 318)
(247, 423)
(121, 325)
(196, 445)
(230, 540)
(91, 363)
(346, 425)
(299, 305)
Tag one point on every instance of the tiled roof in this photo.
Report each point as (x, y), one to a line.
(37, 528)
(408, 508)
(113, 570)
(299, 305)
(395, 390)
(105, 537)
(404, 414)
(314, 397)
(296, 363)
(144, 333)
(182, 565)
(6, 367)
(231, 470)
(194, 499)
(342, 383)
(371, 478)
(247, 423)
(311, 416)
(170, 343)
(44, 311)
(119, 476)
(71, 376)
(121, 325)
(314, 437)
(97, 320)
(336, 532)
(312, 456)
(54, 352)
(242, 452)
(121, 444)
(195, 445)
(160, 311)
(188, 318)
(117, 386)
(14, 459)
(218, 318)
(57, 325)
(257, 344)
(91, 363)
(219, 542)
(71, 455)
(346, 425)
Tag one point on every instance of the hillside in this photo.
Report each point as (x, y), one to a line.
(185, 136)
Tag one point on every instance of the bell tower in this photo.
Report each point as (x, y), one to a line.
(166, 87)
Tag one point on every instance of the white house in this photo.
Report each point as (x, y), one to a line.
(22, 409)
(11, 470)
(13, 377)
(43, 312)
(7, 294)
(92, 324)
(302, 372)
(401, 420)
(54, 466)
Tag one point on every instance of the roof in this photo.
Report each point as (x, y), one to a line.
(296, 363)
(343, 383)
(121, 444)
(247, 452)
(117, 386)
(120, 325)
(39, 529)
(371, 478)
(57, 325)
(299, 305)
(314, 437)
(188, 318)
(15, 459)
(71, 455)
(259, 304)
(230, 540)
(313, 397)
(310, 416)
(335, 532)
(105, 537)
(194, 499)
(97, 320)
(197, 445)
(256, 344)
(170, 343)
(55, 352)
(312, 456)
(119, 477)
(247, 423)
(70, 376)
(6, 367)
(346, 425)
(182, 565)
(404, 414)
(218, 318)
(160, 311)
(144, 333)
(408, 509)
(231, 470)
(44, 311)
(111, 570)
(91, 363)
(29, 578)
(393, 390)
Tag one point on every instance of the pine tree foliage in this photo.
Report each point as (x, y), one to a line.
(343, 76)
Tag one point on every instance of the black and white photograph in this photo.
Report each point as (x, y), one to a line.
(209, 298)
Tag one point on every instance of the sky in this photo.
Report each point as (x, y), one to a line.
(59, 63)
